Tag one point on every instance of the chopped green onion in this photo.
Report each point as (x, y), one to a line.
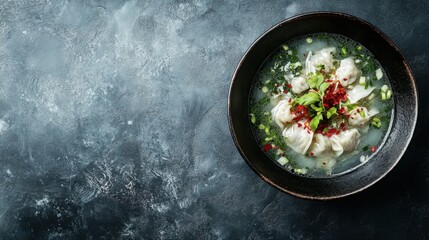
(378, 74)
(309, 40)
(344, 51)
(282, 161)
(268, 81)
(363, 158)
(384, 88)
(362, 81)
(371, 96)
(301, 170)
(264, 89)
(267, 139)
(376, 122)
(388, 94)
(289, 52)
(252, 118)
(296, 64)
(359, 47)
(267, 130)
(383, 96)
(261, 126)
(285, 47)
(362, 114)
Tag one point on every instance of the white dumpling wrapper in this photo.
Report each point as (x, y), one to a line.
(276, 98)
(324, 57)
(359, 92)
(282, 114)
(321, 145)
(356, 119)
(347, 72)
(298, 138)
(346, 141)
(299, 84)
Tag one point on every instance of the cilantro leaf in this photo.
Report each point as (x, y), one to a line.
(331, 112)
(315, 79)
(314, 123)
(317, 109)
(323, 86)
(307, 99)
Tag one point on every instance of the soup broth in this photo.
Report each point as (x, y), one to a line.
(320, 105)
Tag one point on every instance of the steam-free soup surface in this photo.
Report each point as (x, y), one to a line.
(320, 105)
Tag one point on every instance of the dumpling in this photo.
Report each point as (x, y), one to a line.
(324, 57)
(357, 118)
(298, 137)
(299, 85)
(321, 145)
(359, 92)
(346, 141)
(281, 113)
(275, 99)
(347, 72)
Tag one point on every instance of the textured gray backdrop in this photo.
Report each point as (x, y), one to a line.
(113, 125)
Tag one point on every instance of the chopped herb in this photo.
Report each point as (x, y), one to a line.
(379, 74)
(323, 86)
(252, 118)
(388, 94)
(315, 79)
(282, 161)
(264, 89)
(362, 81)
(314, 123)
(307, 99)
(344, 51)
(317, 109)
(376, 122)
(331, 112)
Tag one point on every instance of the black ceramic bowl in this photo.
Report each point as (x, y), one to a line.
(404, 113)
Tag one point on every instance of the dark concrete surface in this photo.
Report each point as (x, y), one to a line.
(113, 125)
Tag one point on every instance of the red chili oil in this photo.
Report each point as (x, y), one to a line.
(267, 147)
(334, 94)
(300, 111)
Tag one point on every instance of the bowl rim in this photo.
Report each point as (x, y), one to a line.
(387, 40)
